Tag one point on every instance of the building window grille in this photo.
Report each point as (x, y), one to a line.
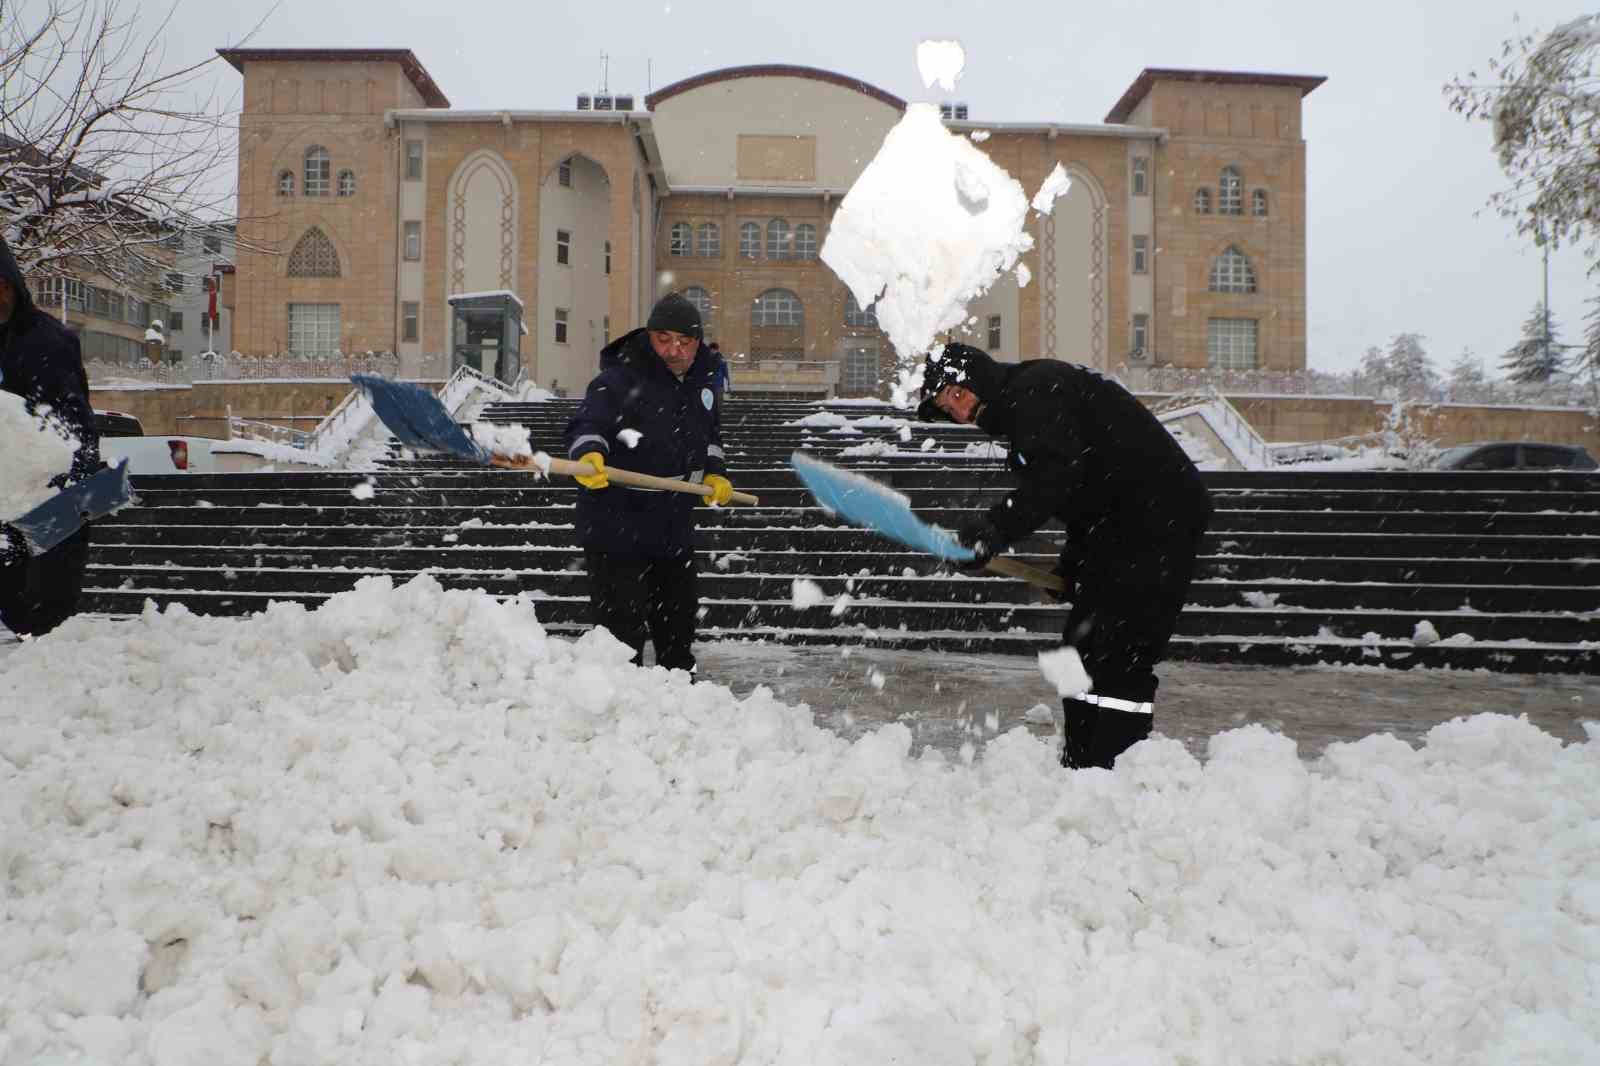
(285, 183)
(1258, 203)
(413, 160)
(1230, 192)
(708, 241)
(564, 247)
(314, 330)
(564, 174)
(805, 241)
(347, 183)
(777, 307)
(750, 241)
(701, 299)
(855, 316)
(994, 333)
(410, 314)
(1231, 272)
(319, 171)
(413, 250)
(608, 256)
(1202, 201)
(1141, 335)
(680, 241)
(561, 325)
(1231, 344)
(778, 245)
(1141, 255)
(1141, 176)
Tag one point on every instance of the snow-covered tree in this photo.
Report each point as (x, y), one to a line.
(106, 151)
(1589, 355)
(1543, 96)
(1536, 357)
(1466, 373)
(1411, 372)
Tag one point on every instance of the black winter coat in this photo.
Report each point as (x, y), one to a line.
(41, 361)
(1086, 451)
(679, 427)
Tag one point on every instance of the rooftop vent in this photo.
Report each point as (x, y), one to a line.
(602, 102)
(583, 101)
(624, 103)
(949, 111)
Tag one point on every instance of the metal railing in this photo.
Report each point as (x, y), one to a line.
(236, 367)
(254, 429)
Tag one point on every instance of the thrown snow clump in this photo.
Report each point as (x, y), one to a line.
(941, 62)
(630, 437)
(807, 593)
(509, 441)
(35, 448)
(1056, 185)
(364, 490)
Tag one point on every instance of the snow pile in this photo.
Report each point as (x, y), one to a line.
(35, 449)
(1424, 633)
(929, 225)
(409, 827)
(941, 62)
(820, 418)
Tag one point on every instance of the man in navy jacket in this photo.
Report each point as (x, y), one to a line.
(653, 409)
(42, 362)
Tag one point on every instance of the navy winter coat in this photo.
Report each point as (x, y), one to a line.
(41, 361)
(679, 427)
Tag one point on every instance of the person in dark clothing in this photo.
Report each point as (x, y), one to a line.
(654, 403)
(1085, 451)
(721, 379)
(40, 361)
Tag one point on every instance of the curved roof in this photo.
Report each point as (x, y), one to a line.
(772, 70)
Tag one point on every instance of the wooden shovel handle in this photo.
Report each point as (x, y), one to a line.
(572, 468)
(1031, 574)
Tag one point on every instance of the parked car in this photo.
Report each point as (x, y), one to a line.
(122, 437)
(1515, 455)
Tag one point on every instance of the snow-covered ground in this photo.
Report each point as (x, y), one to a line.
(409, 827)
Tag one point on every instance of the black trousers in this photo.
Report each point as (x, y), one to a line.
(1123, 614)
(638, 598)
(38, 593)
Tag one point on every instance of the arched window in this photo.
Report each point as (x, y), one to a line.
(1202, 201)
(285, 183)
(777, 307)
(854, 316)
(314, 256)
(319, 171)
(702, 301)
(1231, 272)
(1258, 203)
(778, 245)
(708, 241)
(681, 241)
(805, 241)
(750, 241)
(347, 183)
(1230, 192)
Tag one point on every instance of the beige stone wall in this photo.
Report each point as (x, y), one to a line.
(288, 107)
(1289, 418)
(201, 410)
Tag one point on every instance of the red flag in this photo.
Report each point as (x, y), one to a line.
(213, 283)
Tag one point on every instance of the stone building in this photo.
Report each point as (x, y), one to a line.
(1182, 241)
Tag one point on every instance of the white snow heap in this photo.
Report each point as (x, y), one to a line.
(411, 827)
(928, 226)
(1057, 184)
(941, 62)
(33, 449)
(507, 440)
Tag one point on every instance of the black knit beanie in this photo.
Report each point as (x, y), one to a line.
(676, 313)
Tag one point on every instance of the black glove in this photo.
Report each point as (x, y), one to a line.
(983, 539)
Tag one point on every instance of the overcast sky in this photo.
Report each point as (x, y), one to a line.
(1398, 238)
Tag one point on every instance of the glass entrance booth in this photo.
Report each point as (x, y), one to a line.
(486, 334)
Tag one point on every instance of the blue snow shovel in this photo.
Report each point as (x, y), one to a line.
(418, 420)
(63, 514)
(865, 503)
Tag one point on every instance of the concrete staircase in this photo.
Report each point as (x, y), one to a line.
(1299, 567)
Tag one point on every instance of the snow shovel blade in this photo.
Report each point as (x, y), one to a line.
(865, 503)
(63, 514)
(417, 418)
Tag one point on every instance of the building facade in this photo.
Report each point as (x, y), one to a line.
(366, 203)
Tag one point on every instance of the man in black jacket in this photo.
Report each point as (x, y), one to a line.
(41, 362)
(1084, 450)
(655, 408)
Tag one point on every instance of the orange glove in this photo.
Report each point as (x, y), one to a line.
(721, 490)
(598, 480)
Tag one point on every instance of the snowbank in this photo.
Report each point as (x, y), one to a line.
(410, 827)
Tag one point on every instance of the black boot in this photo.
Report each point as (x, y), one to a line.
(1099, 728)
